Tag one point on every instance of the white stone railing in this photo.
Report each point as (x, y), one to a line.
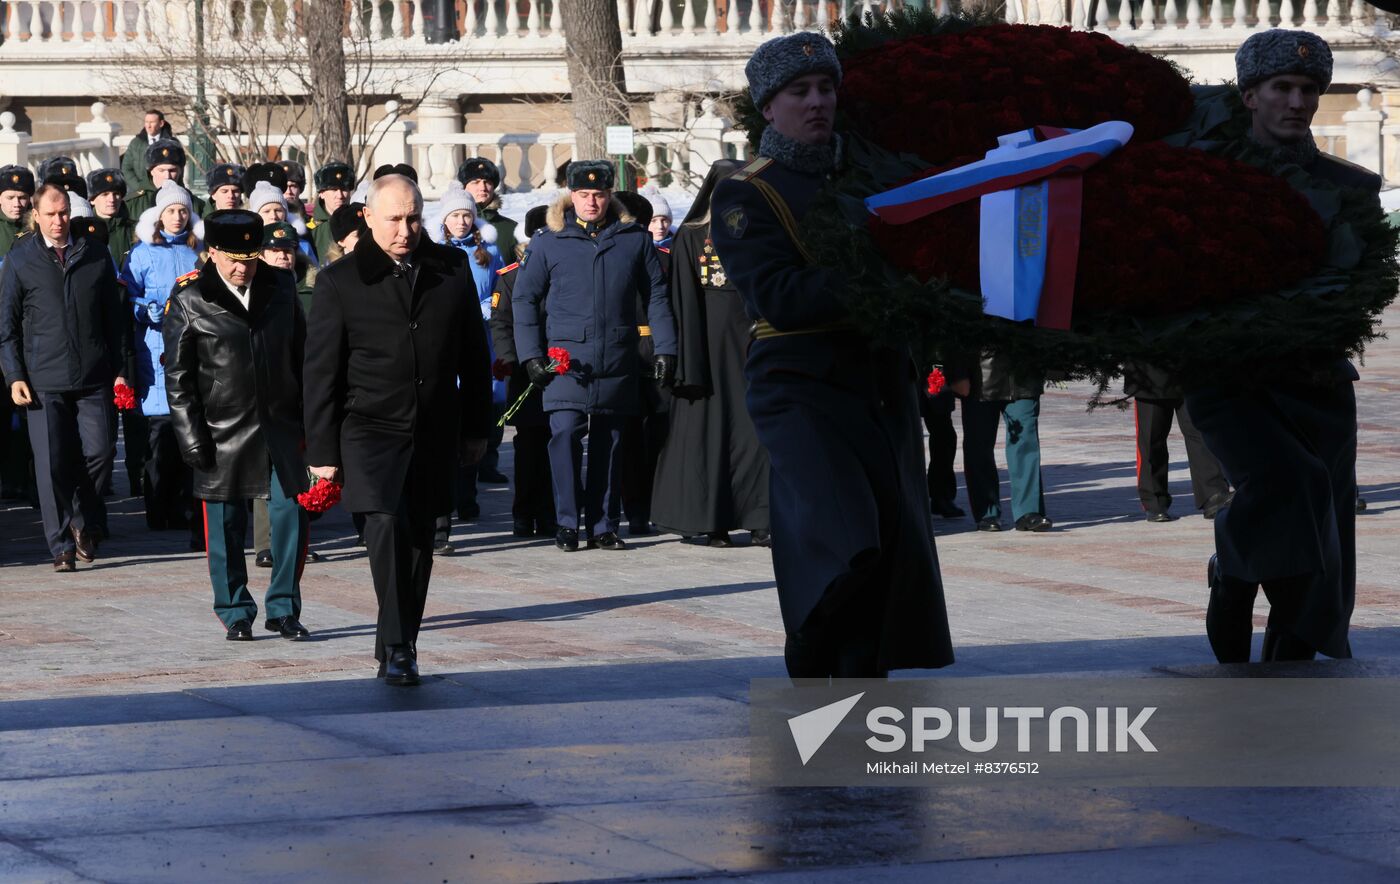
(1168, 19)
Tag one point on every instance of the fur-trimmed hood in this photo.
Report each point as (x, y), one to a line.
(554, 220)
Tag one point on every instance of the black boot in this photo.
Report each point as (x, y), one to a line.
(806, 659)
(1280, 646)
(1229, 615)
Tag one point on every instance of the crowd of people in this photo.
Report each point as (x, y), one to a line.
(268, 342)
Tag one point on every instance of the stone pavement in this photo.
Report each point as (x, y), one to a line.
(585, 715)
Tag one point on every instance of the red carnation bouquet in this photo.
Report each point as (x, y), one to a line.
(936, 381)
(559, 362)
(124, 396)
(323, 495)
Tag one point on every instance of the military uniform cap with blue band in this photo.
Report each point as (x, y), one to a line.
(781, 60)
(590, 175)
(238, 233)
(1278, 51)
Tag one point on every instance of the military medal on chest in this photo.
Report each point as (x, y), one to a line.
(711, 271)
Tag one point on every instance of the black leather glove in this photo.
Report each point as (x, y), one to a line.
(200, 457)
(664, 369)
(539, 372)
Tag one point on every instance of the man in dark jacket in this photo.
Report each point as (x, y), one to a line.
(153, 129)
(532, 508)
(1288, 447)
(16, 195)
(857, 573)
(398, 391)
(107, 193)
(63, 345)
(482, 179)
(234, 339)
(578, 289)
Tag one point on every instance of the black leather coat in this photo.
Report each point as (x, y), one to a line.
(233, 377)
(398, 375)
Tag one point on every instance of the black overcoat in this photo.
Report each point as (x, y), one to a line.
(233, 377)
(398, 374)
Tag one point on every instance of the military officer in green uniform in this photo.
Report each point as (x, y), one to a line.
(165, 161)
(334, 181)
(16, 192)
(225, 185)
(481, 179)
(107, 193)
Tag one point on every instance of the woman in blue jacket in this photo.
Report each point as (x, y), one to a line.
(166, 249)
(459, 224)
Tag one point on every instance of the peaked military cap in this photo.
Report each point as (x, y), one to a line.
(403, 169)
(781, 60)
(269, 172)
(333, 176)
(223, 175)
(473, 168)
(1279, 51)
(106, 181)
(19, 178)
(279, 235)
(165, 151)
(237, 233)
(295, 172)
(590, 175)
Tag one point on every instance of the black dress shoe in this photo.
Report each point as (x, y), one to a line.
(289, 627)
(1360, 504)
(990, 523)
(443, 548)
(566, 539)
(760, 538)
(719, 539)
(610, 540)
(1160, 517)
(312, 556)
(1217, 503)
(469, 513)
(264, 559)
(947, 509)
(86, 543)
(401, 669)
(65, 562)
(492, 477)
(1034, 522)
(240, 631)
(523, 528)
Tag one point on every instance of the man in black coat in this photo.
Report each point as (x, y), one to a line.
(398, 391)
(234, 335)
(63, 345)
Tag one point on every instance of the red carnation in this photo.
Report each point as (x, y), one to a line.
(124, 397)
(323, 495)
(936, 382)
(558, 360)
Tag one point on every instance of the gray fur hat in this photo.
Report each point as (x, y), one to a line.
(1275, 52)
(783, 59)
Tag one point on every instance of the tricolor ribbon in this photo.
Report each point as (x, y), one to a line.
(1029, 248)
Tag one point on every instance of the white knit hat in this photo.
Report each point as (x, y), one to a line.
(171, 194)
(455, 199)
(659, 206)
(264, 193)
(78, 207)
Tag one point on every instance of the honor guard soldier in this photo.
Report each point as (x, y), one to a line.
(225, 182)
(578, 289)
(234, 341)
(482, 179)
(107, 193)
(334, 181)
(1289, 446)
(165, 161)
(858, 578)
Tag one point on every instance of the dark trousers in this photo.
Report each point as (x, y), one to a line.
(135, 446)
(16, 461)
(643, 437)
(168, 481)
(400, 548)
(73, 453)
(979, 421)
(601, 495)
(1153, 419)
(534, 485)
(465, 490)
(227, 525)
(937, 412)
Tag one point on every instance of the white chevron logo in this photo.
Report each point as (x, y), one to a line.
(811, 729)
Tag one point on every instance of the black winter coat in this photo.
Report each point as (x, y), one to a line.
(502, 325)
(233, 377)
(62, 328)
(398, 374)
